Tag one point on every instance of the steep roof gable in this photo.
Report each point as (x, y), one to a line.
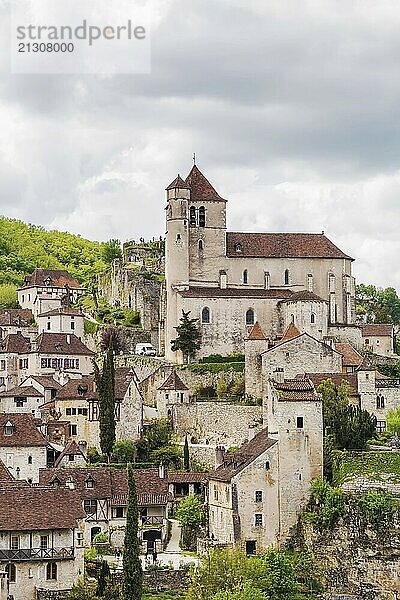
(173, 382)
(256, 332)
(51, 278)
(200, 188)
(178, 183)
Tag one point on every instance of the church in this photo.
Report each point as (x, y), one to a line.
(231, 280)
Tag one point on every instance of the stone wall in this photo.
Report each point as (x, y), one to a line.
(51, 594)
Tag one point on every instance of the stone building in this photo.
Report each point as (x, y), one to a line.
(173, 391)
(14, 320)
(229, 280)
(62, 320)
(256, 494)
(378, 338)
(41, 538)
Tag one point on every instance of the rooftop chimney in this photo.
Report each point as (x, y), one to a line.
(279, 375)
(68, 338)
(219, 456)
(161, 471)
(252, 432)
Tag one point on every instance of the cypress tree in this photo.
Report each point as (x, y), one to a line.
(186, 455)
(133, 574)
(105, 382)
(103, 580)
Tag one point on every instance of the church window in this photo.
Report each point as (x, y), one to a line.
(245, 276)
(286, 276)
(192, 215)
(202, 216)
(312, 318)
(205, 315)
(238, 248)
(250, 317)
(201, 245)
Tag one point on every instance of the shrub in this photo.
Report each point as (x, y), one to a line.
(326, 505)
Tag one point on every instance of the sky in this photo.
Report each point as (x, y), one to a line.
(292, 108)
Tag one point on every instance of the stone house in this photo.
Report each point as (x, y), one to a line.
(23, 447)
(173, 391)
(76, 403)
(41, 538)
(14, 361)
(62, 320)
(378, 338)
(72, 456)
(14, 320)
(229, 280)
(257, 492)
(351, 359)
(104, 495)
(22, 399)
(46, 289)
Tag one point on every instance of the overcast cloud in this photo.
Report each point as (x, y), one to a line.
(291, 107)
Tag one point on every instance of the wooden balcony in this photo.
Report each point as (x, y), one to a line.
(156, 520)
(37, 554)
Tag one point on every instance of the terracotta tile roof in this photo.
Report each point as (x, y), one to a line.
(178, 183)
(58, 278)
(244, 456)
(25, 432)
(304, 296)
(46, 381)
(245, 292)
(337, 378)
(63, 310)
(25, 391)
(281, 245)
(19, 317)
(15, 343)
(5, 474)
(70, 449)
(296, 390)
(173, 382)
(256, 332)
(26, 508)
(351, 358)
(85, 386)
(377, 329)
(290, 333)
(190, 477)
(57, 343)
(200, 188)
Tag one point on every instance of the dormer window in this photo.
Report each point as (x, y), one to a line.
(89, 483)
(8, 428)
(56, 482)
(238, 248)
(47, 281)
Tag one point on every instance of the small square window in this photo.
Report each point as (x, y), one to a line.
(258, 495)
(258, 520)
(300, 422)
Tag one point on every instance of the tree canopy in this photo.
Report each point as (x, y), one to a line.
(378, 305)
(188, 336)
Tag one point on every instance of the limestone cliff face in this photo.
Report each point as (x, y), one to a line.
(359, 560)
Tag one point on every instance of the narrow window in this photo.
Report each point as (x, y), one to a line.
(201, 245)
(205, 315)
(258, 520)
(267, 465)
(287, 277)
(12, 573)
(29, 460)
(44, 542)
(312, 318)
(14, 542)
(192, 215)
(300, 422)
(258, 495)
(250, 317)
(245, 278)
(202, 216)
(178, 237)
(51, 571)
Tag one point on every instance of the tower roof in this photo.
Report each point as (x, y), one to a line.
(178, 183)
(200, 187)
(290, 333)
(256, 332)
(173, 382)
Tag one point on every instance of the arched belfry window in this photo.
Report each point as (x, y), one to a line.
(202, 216)
(192, 215)
(250, 317)
(312, 318)
(201, 245)
(245, 276)
(205, 315)
(286, 276)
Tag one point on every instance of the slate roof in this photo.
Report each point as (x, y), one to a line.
(282, 245)
(304, 296)
(244, 292)
(25, 432)
(26, 508)
(256, 332)
(377, 329)
(21, 391)
(15, 343)
(59, 278)
(296, 390)
(173, 382)
(19, 317)
(351, 358)
(178, 183)
(244, 456)
(56, 343)
(200, 188)
(62, 310)
(70, 449)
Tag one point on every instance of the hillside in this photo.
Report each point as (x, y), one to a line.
(24, 247)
